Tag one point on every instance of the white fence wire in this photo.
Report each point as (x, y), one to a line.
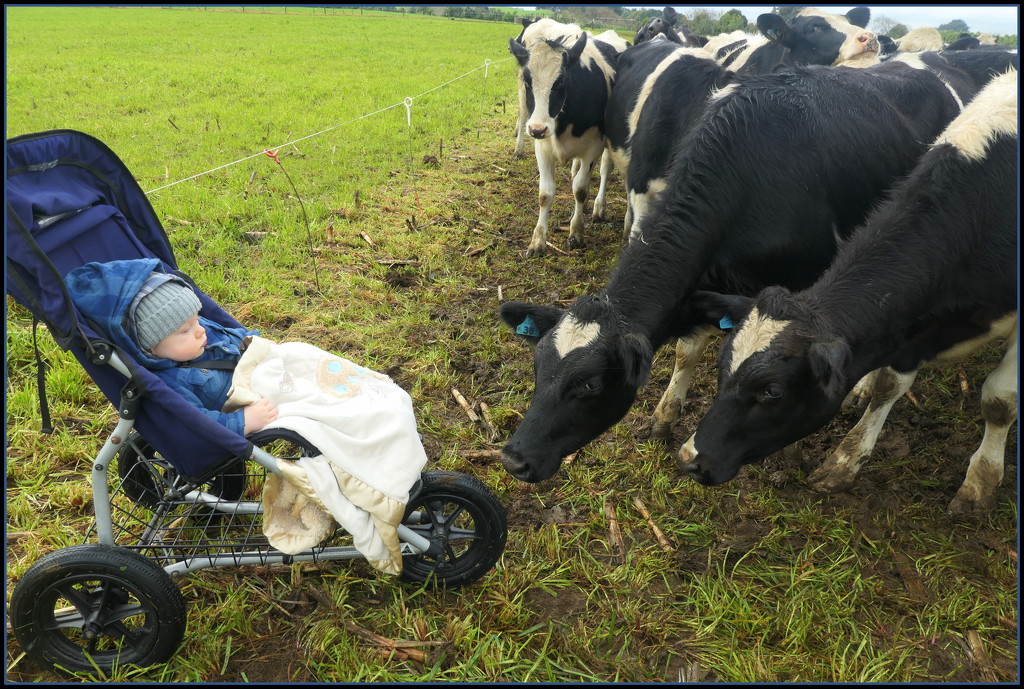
(407, 102)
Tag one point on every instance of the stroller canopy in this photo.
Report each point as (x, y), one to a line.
(71, 201)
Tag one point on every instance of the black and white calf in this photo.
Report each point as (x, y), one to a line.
(813, 37)
(567, 76)
(776, 172)
(929, 278)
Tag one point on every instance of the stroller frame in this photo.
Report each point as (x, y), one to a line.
(96, 606)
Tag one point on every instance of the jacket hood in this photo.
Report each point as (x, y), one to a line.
(105, 293)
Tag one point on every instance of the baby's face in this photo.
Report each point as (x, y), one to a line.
(184, 344)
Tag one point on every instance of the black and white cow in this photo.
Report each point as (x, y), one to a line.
(776, 172)
(658, 93)
(660, 89)
(930, 277)
(567, 76)
(665, 27)
(812, 37)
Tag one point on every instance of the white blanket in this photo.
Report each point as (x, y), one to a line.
(365, 428)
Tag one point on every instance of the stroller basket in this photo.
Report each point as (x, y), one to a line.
(173, 491)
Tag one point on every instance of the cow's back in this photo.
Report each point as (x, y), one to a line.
(781, 167)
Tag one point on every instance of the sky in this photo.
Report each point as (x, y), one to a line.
(995, 19)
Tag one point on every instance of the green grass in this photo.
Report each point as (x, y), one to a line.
(766, 581)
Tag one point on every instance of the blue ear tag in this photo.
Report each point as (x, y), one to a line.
(528, 328)
(725, 323)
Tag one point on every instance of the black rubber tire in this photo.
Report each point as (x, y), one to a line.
(465, 517)
(145, 489)
(101, 602)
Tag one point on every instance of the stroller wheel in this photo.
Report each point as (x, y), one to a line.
(143, 473)
(90, 608)
(462, 514)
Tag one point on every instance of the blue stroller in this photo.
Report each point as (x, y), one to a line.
(173, 491)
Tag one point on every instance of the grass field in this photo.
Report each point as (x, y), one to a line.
(413, 230)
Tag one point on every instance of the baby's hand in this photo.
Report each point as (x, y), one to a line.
(259, 414)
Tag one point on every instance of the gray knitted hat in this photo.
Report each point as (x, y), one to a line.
(163, 310)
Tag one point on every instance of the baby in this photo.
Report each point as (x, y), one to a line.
(154, 316)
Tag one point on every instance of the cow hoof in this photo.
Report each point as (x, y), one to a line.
(652, 430)
(575, 243)
(830, 479)
(964, 505)
(535, 251)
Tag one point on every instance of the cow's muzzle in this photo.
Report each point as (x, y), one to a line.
(537, 131)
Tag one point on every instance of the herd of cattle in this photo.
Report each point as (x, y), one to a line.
(842, 207)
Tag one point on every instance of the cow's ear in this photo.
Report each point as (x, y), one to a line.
(637, 356)
(720, 310)
(670, 15)
(859, 16)
(530, 321)
(773, 27)
(526, 21)
(829, 361)
(519, 50)
(573, 56)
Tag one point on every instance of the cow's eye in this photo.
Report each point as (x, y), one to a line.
(771, 392)
(591, 386)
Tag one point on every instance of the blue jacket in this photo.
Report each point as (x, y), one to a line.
(104, 292)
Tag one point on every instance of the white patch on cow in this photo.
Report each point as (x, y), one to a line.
(652, 78)
(716, 43)
(719, 94)
(997, 330)
(566, 147)
(753, 43)
(917, 63)
(571, 334)
(992, 113)
(620, 157)
(755, 335)
(688, 452)
(920, 39)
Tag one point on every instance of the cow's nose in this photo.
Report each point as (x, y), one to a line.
(538, 131)
(693, 470)
(514, 463)
(867, 37)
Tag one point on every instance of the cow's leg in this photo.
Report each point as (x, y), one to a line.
(838, 471)
(627, 223)
(521, 116)
(580, 191)
(999, 409)
(606, 170)
(546, 174)
(861, 392)
(688, 352)
(641, 202)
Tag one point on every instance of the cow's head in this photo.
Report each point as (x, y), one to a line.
(587, 369)
(546, 64)
(662, 25)
(817, 38)
(781, 375)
